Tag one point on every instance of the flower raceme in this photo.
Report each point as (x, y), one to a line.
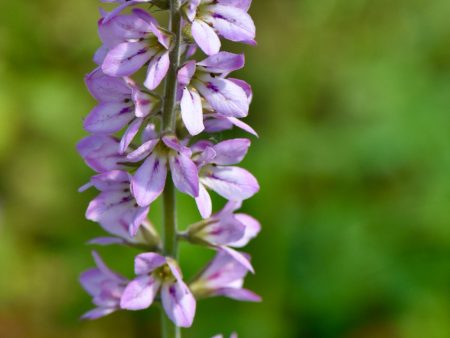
(136, 155)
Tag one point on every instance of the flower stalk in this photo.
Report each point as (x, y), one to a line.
(144, 146)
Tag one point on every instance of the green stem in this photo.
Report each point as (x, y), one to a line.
(170, 248)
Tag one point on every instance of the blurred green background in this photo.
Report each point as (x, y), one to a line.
(352, 105)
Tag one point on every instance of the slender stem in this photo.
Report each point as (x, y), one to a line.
(169, 329)
(170, 99)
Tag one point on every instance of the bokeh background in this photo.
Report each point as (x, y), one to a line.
(352, 105)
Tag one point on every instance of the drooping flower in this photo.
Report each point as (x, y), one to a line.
(225, 228)
(160, 274)
(133, 40)
(206, 79)
(216, 172)
(115, 208)
(228, 18)
(121, 102)
(224, 276)
(105, 287)
(149, 180)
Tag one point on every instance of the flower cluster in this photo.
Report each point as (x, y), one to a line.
(134, 156)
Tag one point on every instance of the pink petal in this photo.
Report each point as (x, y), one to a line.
(147, 262)
(139, 293)
(179, 303)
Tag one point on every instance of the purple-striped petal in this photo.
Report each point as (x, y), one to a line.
(222, 62)
(157, 70)
(192, 111)
(242, 4)
(129, 135)
(106, 88)
(224, 96)
(147, 262)
(139, 293)
(252, 229)
(232, 183)
(231, 151)
(205, 37)
(149, 180)
(126, 58)
(203, 201)
(233, 23)
(142, 152)
(179, 303)
(238, 294)
(108, 117)
(184, 174)
(100, 152)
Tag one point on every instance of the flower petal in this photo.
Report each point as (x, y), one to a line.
(231, 151)
(108, 117)
(233, 23)
(106, 88)
(98, 313)
(100, 152)
(157, 70)
(252, 229)
(222, 62)
(143, 151)
(129, 135)
(126, 58)
(203, 201)
(184, 174)
(238, 294)
(149, 180)
(139, 293)
(224, 96)
(147, 262)
(232, 183)
(179, 303)
(192, 111)
(205, 37)
(242, 4)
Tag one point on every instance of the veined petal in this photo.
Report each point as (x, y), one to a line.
(129, 135)
(157, 70)
(222, 232)
(222, 62)
(232, 183)
(174, 143)
(205, 37)
(106, 88)
(192, 111)
(139, 293)
(111, 180)
(147, 262)
(108, 117)
(224, 96)
(144, 103)
(239, 257)
(98, 313)
(122, 28)
(203, 201)
(252, 228)
(186, 72)
(126, 58)
(179, 303)
(143, 151)
(238, 294)
(242, 4)
(184, 174)
(245, 86)
(231, 151)
(233, 23)
(149, 180)
(100, 152)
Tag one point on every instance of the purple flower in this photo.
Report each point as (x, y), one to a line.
(132, 41)
(120, 102)
(123, 4)
(115, 209)
(105, 287)
(224, 276)
(227, 18)
(149, 180)
(101, 153)
(217, 173)
(226, 97)
(160, 274)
